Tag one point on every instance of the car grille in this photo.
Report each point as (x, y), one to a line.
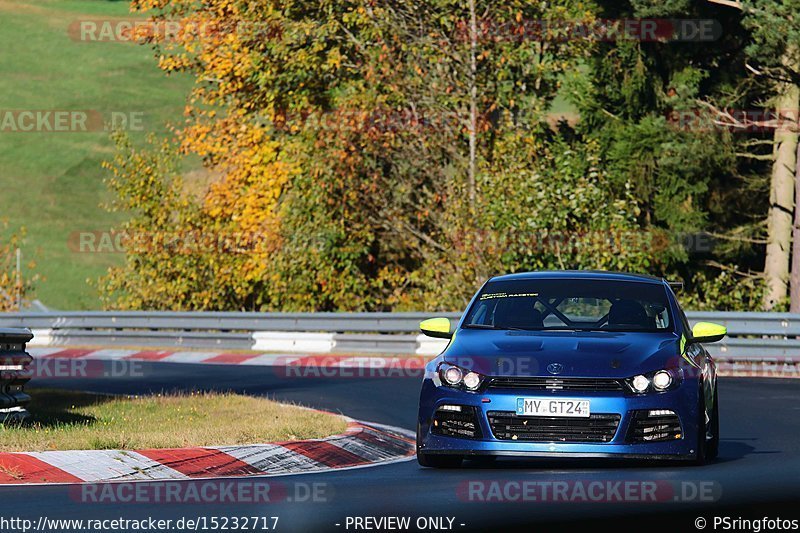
(556, 384)
(507, 425)
(463, 423)
(654, 426)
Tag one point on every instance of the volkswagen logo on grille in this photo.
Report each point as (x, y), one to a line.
(555, 368)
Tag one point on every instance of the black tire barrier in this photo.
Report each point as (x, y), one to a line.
(14, 373)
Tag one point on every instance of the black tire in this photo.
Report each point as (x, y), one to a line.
(707, 449)
(712, 448)
(439, 461)
(700, 457)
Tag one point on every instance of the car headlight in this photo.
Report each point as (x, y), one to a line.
(472, 381)
(640, 384)
(455, 377)
(452, 375)
(658, 381)
(662, 380)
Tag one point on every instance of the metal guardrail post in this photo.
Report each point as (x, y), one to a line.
(14, 373)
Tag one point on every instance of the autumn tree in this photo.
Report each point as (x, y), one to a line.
(389, 155)
(361, 138)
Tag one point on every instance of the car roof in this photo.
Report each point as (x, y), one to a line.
(580, 274)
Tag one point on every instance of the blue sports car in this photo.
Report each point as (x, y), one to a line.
(570, 364)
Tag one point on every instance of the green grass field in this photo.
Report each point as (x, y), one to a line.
(52, 183)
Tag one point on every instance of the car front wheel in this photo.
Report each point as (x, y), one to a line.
(712, 446)
(707, 448)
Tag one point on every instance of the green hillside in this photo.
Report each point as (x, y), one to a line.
(52, 182)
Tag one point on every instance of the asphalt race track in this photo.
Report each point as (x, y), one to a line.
(756, 475)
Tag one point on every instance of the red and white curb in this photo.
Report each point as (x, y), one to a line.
(363, 444)
(786, 367)
(412, 362)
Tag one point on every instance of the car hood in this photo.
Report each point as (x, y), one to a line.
(574, 354)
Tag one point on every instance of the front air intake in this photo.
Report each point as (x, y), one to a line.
(456, 421)
(557, 384)
(654, 426)
(507, 425)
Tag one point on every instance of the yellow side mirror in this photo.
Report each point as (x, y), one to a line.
(708, 332)
(438, 328)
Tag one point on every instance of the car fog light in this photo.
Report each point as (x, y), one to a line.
(453, 375)
(640, 383)
(454, 408)
(472, 381)
(662, 380)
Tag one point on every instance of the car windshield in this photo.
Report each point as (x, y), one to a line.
(571, 304)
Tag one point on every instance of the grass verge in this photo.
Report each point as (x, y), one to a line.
(65, 420)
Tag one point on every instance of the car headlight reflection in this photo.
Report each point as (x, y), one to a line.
(455, 377)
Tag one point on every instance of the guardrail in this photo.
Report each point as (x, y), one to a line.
(14, 363)
(751, 335)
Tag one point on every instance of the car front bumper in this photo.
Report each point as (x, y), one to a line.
(683, 401)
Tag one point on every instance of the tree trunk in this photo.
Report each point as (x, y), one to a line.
(781, 198)
(794, 286)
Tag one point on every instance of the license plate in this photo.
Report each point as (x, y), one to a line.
(567, 407)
